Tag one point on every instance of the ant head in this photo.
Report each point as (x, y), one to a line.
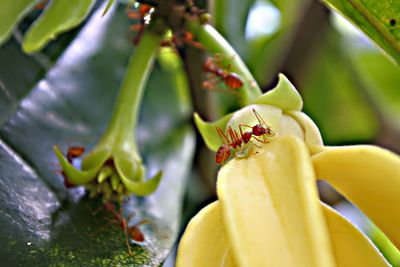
(144, 9)
(259, 130)
(269, 132)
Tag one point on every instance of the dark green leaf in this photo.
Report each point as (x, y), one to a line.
(380, 20)
(44, 224)
(11, 12)
(333, 98)
(381, 79)
(59, 16)
(19, 72)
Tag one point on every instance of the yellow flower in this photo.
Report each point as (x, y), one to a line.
(268, 211)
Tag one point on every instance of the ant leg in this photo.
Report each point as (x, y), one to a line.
(265, 141)
(188, 38)
(197, 45)
(211, 86)
(217, 59)
(254, 144)
(126, 236)
(234, 137)
(244, 125)
(133, 14)
(259, 118)
(210, 82)
(222, 135)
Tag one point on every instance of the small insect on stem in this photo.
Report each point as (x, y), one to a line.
(181, 37)
(132, 232)
(143, 15)
(214, 67)
(41, 5)
(72, 153)
(242, 144)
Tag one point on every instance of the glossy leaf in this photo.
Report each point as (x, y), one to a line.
(19, 72)
(59, 16)
(380, 20)
(46, 224)
(11, 12)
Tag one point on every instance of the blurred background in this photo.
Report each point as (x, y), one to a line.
(64, 95)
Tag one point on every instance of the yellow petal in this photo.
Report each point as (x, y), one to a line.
(369, 177)
(204, 242)
(351, 248)
(312, 136)
(271, 208)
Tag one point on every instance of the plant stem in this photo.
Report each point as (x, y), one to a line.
(122, 127)
(215, 43)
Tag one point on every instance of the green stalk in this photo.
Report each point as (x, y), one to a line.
(122, 127)
(118, 142)
(215, 43)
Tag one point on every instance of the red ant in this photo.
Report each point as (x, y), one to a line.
(231, 79)
(181, 37)
(142, 14)
(234, 141)
(133, 231)
(41, 5)
(72, 153)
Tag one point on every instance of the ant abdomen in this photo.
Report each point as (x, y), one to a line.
(233, 81)
(223, 153)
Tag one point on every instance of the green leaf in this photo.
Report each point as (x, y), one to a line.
(22, 71)
(11, 12)
(208, 130)
(283, 96)
(59, 16)
(332, 96)
(109, 5)
(44, 224)
(380, 78)
(380, 20)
